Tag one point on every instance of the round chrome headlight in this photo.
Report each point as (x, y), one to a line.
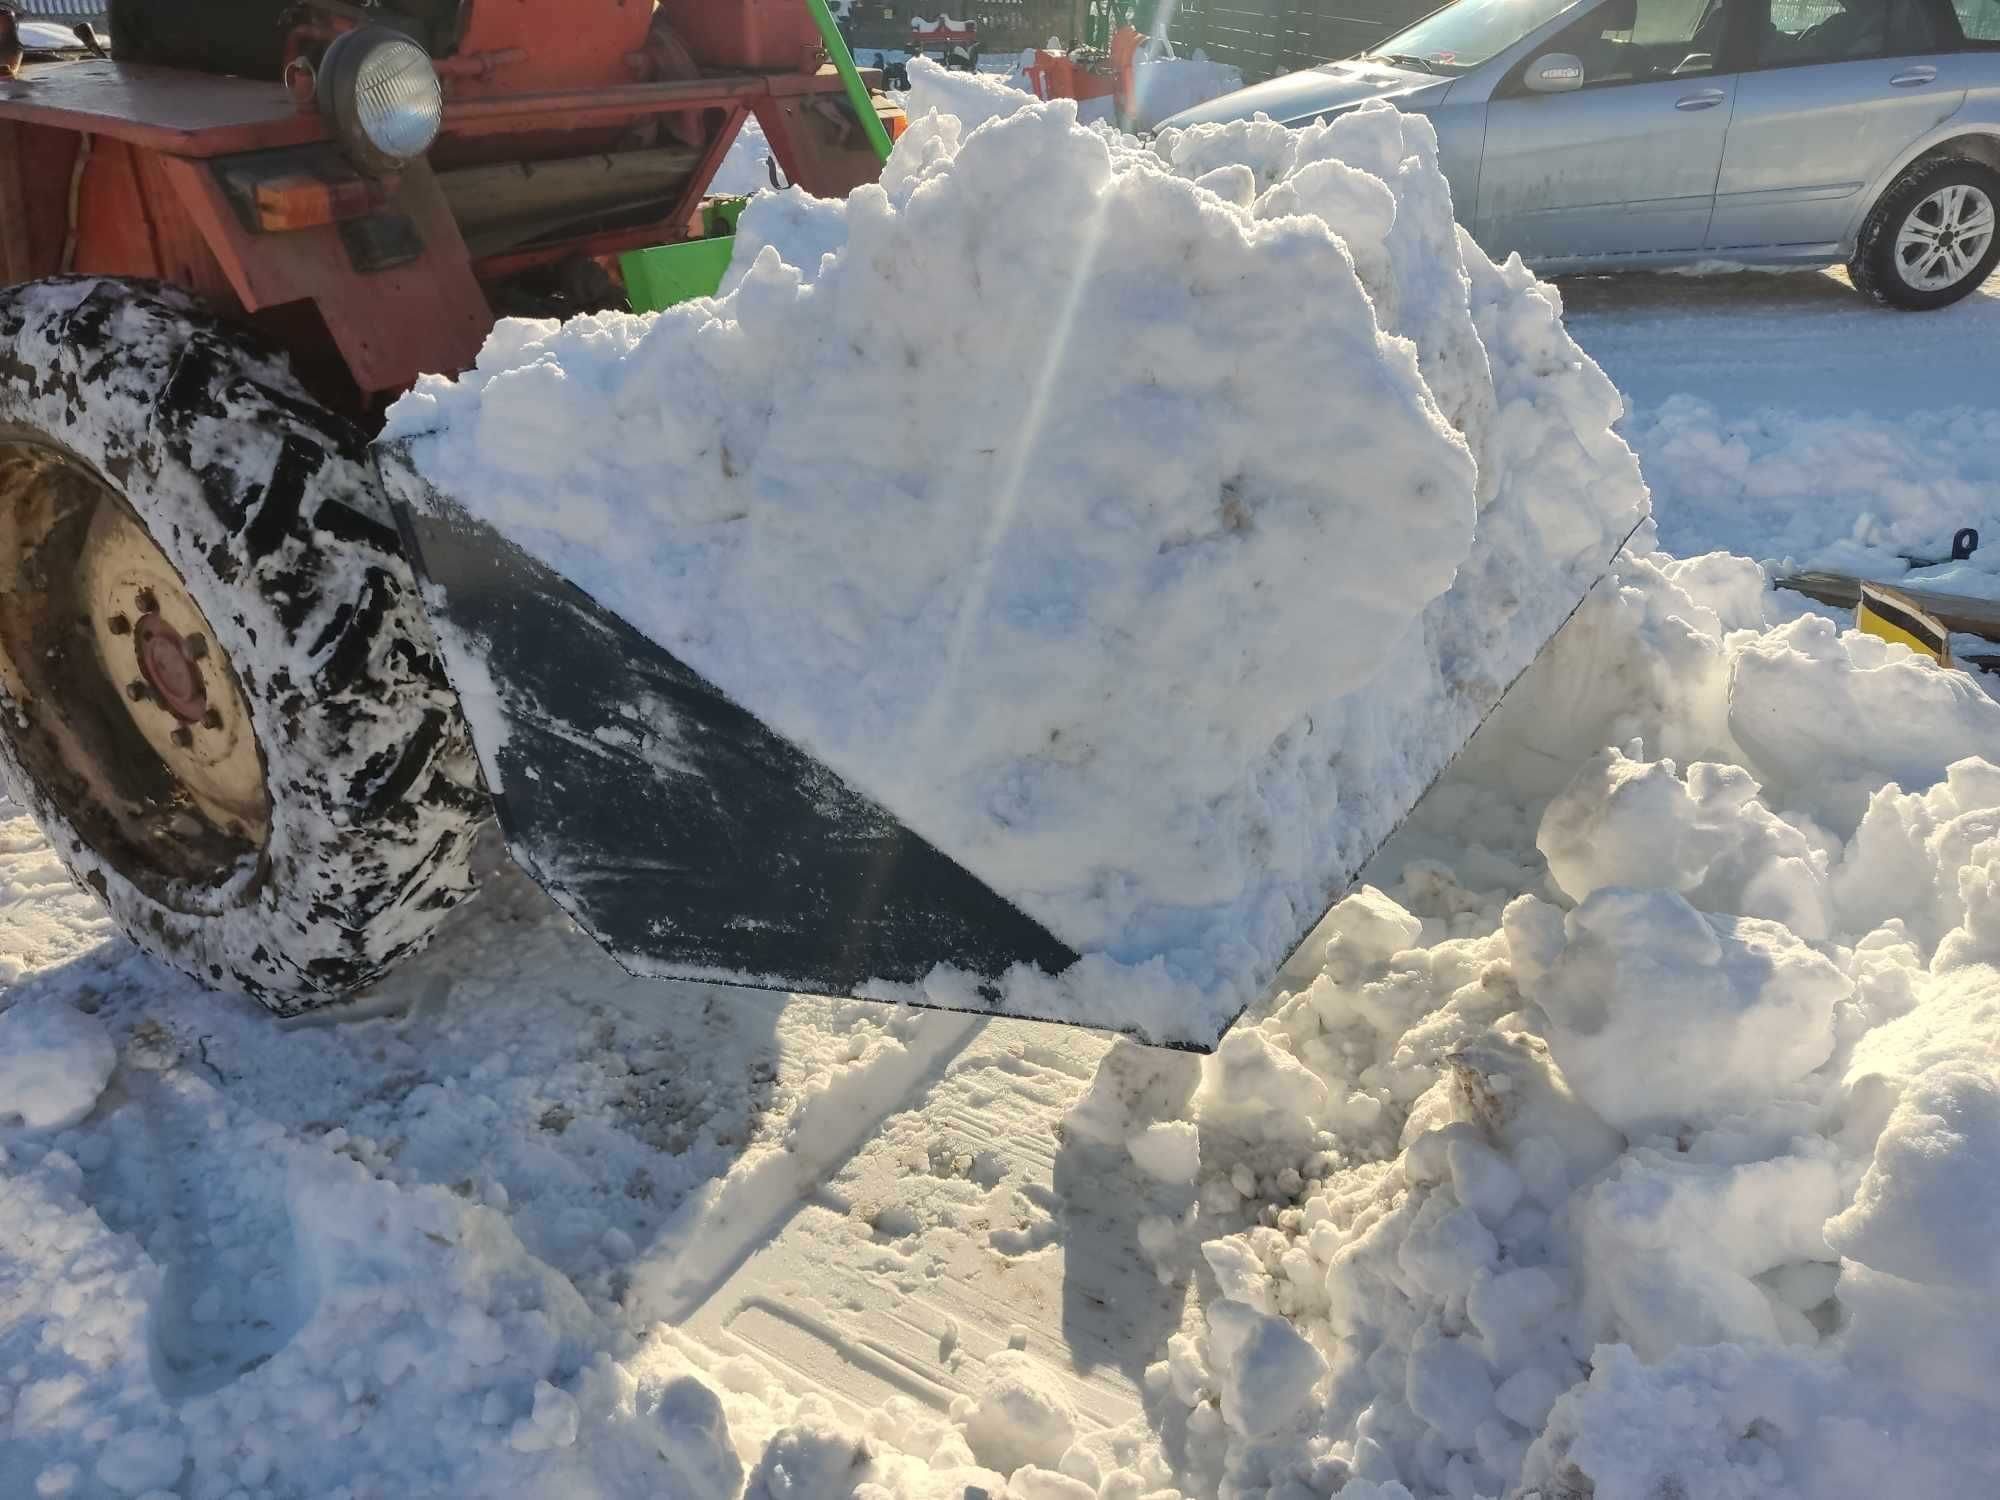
(380, 93)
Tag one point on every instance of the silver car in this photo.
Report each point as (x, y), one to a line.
(1594, 135)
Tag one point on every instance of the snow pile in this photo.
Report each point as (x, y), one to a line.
(1157, 614)
(970, 98)
(1648, 1149)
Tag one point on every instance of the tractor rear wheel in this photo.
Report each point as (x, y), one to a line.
(218, 693)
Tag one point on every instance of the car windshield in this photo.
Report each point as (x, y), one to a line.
(1460, 37)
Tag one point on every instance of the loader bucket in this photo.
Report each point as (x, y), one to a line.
(682, 834)
(1069, 675)
(687, 837)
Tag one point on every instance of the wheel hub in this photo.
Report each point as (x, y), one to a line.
(167, 663)
(1944, 237)
(129, 715)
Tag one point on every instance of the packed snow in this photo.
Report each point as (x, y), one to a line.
(1643, 1149)
(1631, 1132)
(1157, 616)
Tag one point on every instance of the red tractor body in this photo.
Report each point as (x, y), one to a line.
(1087, 73)
(570, 134)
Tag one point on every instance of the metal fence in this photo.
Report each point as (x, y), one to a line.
(1262, 38)
(62, 10)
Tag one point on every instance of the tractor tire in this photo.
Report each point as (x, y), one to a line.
(1914, 252)
(219, 695)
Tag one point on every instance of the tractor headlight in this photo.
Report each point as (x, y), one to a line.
(379, 93)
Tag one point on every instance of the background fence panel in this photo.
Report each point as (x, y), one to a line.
(1262, 38)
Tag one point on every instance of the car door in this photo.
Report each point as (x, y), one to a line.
(1836, 92)
(1626, 163)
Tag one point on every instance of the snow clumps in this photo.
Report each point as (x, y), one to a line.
(1636, 1139)
(1144, 527)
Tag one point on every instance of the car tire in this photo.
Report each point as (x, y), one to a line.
(219, 695)
(1913, 253)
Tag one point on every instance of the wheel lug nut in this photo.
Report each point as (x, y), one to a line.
(184, 737)
(138, 692)
(149, 602)
(119, 625)
(211, 720)
(196, 647)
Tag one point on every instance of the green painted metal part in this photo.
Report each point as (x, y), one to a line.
(666, 274)
(857, 91)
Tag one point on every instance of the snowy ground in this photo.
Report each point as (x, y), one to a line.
(1637, 1140)
(1785, 418)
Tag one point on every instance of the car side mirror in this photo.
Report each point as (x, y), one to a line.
(1556, 73)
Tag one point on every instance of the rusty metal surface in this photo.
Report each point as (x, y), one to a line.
(390, 326)
(161, 109)
(585, 47)
(17, 261)
(571, 109)
(37, 166)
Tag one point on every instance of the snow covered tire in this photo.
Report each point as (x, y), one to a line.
(1876, 269)
(267, 507)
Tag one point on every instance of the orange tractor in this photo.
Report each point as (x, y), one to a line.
(223, 249)
(370, 188)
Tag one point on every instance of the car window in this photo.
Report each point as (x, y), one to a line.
(1979, 19)
(1460, 37)
(1823, 31)
(1636, 41)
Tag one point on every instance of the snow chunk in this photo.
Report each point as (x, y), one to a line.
(1367, 929)
(1446, 1247)
(1266, 1369)
(693, 1436)
(1671, 1246)
(1907, 857)
(1659, 1015)
(54, 1062)
(1525, 1396)
(1450, 1387)
(1255, 1088)
(1033, 1483)
(1484, 1180)
(1169, 1151)
(133, 1463)
(1020, 1415)
(1826, 717)
(809, 1460)
(1926, 1088)
(552, 1423)
(1624, 822)
(970, 98)
(1929, 1207)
